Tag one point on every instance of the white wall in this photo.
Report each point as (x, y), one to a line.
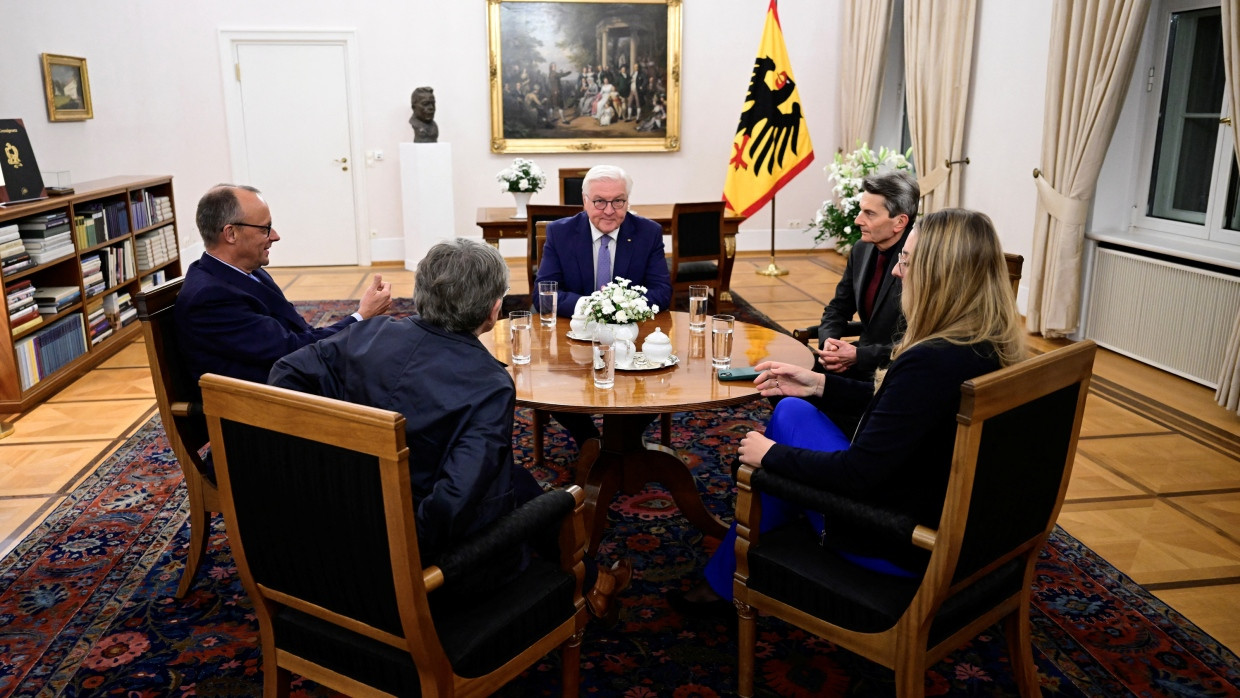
(155, 78)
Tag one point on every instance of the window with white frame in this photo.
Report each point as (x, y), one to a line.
(1189, 164)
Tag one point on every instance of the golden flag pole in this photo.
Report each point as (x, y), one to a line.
(773, 269)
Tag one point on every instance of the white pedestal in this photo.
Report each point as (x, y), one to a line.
(426, 197)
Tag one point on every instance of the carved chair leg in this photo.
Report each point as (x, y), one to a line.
(746, 645)
(1017, 627)
(665, 429)
(199, 518)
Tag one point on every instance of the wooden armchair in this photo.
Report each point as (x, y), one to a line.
(536, 237)
(321, 517)
(180, 410)
(698, 255)
(571, 179)
(1014, 262)
(1015, 444)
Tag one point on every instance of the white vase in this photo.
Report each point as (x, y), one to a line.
(522, 198)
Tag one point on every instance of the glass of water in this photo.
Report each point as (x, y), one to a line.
(604, 349)
(547, 295)
(519, 324)
(698, 296)
(721, 340)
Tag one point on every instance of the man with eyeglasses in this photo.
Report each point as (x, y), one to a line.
(588, 250)
(231, 316)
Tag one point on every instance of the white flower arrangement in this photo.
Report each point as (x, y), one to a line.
(619, 303)
(835, 218)
(522, 176)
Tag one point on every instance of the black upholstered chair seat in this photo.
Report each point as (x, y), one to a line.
(827, 586)
(696, 271)
(478, 636)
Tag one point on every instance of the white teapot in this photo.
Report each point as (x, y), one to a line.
(579, 324)
(657, 347)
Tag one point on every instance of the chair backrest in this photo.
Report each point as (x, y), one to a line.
(535, 214)
(697, 235)
(570, 185)
(1016, 436)
(318, 505)
(180, 401)
(1015, 263)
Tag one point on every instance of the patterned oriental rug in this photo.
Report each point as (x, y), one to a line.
(87, 606)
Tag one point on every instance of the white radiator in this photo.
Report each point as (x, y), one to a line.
(1172, 316)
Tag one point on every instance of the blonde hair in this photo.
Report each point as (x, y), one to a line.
(956, 287)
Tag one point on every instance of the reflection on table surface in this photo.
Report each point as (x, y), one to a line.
(558, 376)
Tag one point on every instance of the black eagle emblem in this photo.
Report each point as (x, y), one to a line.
(779, 131)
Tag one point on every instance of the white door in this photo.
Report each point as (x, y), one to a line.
(295, 145)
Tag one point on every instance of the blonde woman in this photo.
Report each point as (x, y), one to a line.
(962, 323)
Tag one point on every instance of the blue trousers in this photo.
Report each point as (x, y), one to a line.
(794, 422)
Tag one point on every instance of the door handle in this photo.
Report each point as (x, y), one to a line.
(341, 161)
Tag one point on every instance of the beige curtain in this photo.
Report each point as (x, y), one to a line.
(938, 59)
(863, 53)
(1093, 48)
(1228, 394)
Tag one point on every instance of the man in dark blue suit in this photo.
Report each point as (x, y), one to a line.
(231, 316)
(590, 249)
(604, 241)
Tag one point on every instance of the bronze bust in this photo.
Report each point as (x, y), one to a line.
(425, 130)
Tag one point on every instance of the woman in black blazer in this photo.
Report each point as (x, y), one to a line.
(962, 323)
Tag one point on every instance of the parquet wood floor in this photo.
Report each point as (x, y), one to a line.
(1155, 489)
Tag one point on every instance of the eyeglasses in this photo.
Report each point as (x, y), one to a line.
(265, 228)
(616, 204)
(903, 260)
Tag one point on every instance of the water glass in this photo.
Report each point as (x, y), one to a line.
(604, 351)
(721, 340)
(519, 324)
(698, 296)
(547, 296)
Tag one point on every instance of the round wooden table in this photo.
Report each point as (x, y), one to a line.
(558, 378)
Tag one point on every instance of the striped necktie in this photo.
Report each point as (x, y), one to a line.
(602, 274)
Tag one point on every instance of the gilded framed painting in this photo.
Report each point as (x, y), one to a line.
(584, 76)
(67, 86)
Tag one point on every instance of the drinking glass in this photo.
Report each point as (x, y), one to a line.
(519, 324)
(604, 349)
(547, 295)
(698, 296)
(721, 340)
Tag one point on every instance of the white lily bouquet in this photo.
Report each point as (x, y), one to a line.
(834, 220)
(522, 176)
(619, 303)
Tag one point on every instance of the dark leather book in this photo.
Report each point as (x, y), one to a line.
(19, 173)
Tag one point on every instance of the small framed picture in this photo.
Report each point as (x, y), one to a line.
(68, 88)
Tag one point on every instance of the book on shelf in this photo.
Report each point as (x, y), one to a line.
(19, 172)
(22, 311)
(9, 232)
(16, 263)
(25, 324)
(50, 349)
(53, 299)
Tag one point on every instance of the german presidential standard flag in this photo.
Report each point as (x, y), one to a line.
(772, 140)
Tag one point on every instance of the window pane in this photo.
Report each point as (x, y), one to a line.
(1188, 126)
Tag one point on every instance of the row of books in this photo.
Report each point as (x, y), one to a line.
(50, 349)
(119, 308)
(13, 255)
(154, 279)
(23, 309)
(98, 324)
(156, 248)
(149, 209)
(109, 221)
(46, 236)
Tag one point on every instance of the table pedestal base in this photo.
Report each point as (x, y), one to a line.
(627, 462)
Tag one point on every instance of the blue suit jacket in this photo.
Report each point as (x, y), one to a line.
(230, 324)
(637, 255)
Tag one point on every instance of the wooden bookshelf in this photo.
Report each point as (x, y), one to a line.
(67, 271)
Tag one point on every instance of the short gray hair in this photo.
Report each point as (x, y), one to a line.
(899, 191)
(458, 282)
(609, 173)
(216, 209)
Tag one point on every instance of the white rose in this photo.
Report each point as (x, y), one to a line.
(622, 317)
(608, 308)
(654, 309)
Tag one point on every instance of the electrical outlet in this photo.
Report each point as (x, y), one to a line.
(795, 223)
(379, 156)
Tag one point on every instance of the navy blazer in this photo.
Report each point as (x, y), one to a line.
(230, 324)
(877, 331)
(458, 404)
(637, 255)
